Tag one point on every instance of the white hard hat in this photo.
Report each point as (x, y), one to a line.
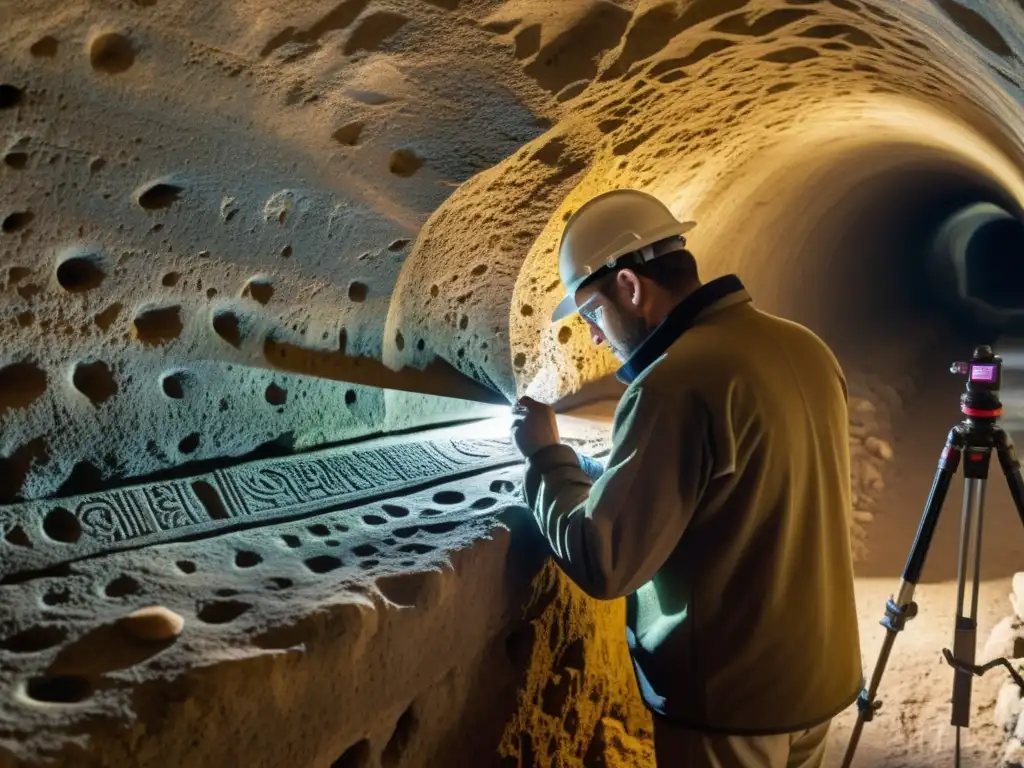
(607, 228)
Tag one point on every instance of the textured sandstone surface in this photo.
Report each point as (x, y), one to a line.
(184, 187)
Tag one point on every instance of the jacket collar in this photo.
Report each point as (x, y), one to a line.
(711, 297)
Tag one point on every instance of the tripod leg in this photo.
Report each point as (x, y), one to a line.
(1011, 468)
(902, 608)
(965, 638)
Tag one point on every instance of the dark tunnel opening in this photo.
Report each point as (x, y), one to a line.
(976, 266)
(994, 264)
(849, 241)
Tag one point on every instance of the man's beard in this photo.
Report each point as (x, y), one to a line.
(632, 332)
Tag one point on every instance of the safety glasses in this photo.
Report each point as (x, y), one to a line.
(591, 311)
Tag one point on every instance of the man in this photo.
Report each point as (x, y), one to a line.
(722, 515)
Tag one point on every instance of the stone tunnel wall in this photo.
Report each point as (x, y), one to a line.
(181, 182)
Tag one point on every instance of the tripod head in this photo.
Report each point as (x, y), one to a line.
(980, 402)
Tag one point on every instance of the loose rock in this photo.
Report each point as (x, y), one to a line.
(154, 623)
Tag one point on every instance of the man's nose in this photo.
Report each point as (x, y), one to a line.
(595, 334)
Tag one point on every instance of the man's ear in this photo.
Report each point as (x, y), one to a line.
(629, 287)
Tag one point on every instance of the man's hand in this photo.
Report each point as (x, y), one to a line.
(533, 427)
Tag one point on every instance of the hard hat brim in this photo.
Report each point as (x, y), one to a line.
(566, 307)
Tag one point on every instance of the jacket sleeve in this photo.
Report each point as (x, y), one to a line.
(611, 536)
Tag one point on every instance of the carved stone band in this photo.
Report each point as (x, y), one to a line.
(43, 534)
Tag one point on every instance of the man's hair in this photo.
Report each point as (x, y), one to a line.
(675, 271)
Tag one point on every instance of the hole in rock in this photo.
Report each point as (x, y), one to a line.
(367, 564)
(398, 744)
(286, 252)
(275, 395)
(404, 163)
(519, 644)
(356, 756)
(34, 639)
(502, 486)
(156, 326)
(122, 586)
(322, 563)
(556, 694)
(226, 592)
(364, 550)
(291, 540)
(432, 512)
(417, 549)
(57, 596)
(574, 655)
(519, 360)
(97, 165)
(106, 318)
(247, 559)
(210, 500)
(372, 30)
(564, 334)
(189, 443)
(159, 195)
(374, 520)
(62, 689)
(17, 221)
(80, 273)
(484, 503)
(332, 543)
(60, 525)
(222, 611)
(393, 510)
(186, 566)
(45, 47)
(406, 589)
(399, 245)
(111, 53)
(278, 582)
(228, 326)
(95, 381)
(260, 288)
(438, 528)
(170, 279)
(16, 160)
(319, 529)
(16, 535)
(348, 134)
(357, 292)
(173, 385)
(21, 384)
(10, 96)
(350, 397)
(449, 497)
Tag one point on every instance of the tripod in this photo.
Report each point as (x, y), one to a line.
(973, 439)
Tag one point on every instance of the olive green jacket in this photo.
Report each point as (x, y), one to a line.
(723, 517)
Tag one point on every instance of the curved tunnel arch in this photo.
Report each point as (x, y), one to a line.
(832, 226)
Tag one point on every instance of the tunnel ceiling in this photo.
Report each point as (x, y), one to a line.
(184, 182)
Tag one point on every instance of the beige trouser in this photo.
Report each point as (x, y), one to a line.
(675, 747)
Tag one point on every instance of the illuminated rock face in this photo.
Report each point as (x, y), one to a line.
(182, 183)
(194, 193)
